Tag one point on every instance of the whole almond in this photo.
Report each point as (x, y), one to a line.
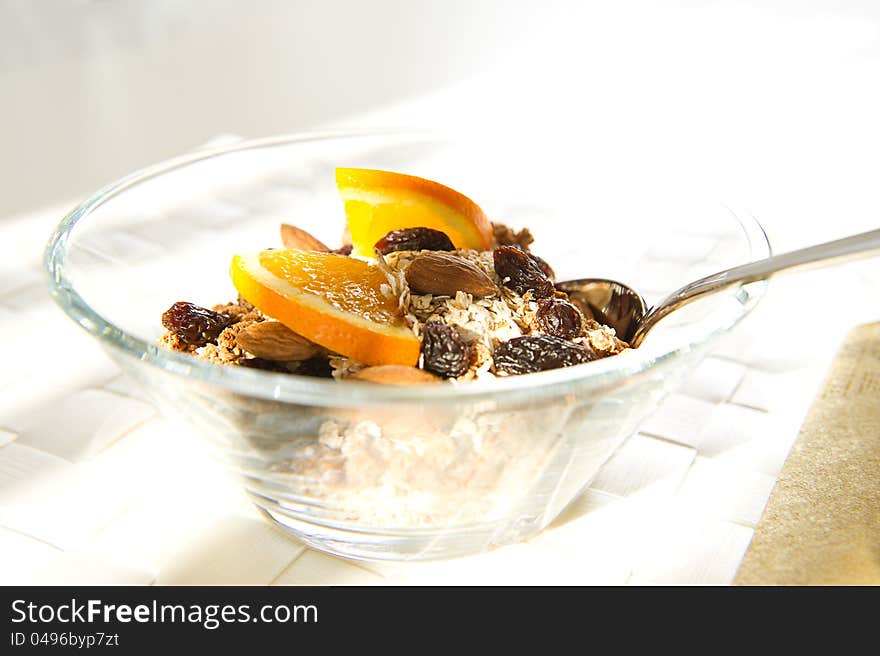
(293, 237)
(446, 274)
(273, 340)
(395, 374)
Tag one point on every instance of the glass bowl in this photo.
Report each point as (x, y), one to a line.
(385, 472)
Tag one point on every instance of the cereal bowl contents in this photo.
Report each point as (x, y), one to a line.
(408, 385)
(419, 302)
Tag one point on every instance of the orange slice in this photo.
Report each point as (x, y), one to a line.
(377, 202)
(333, 300)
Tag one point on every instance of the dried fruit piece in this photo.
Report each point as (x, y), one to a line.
(531, 353)
(343, 250)
(446, 274)
(392, 374)
(519, 272)
(546, 268)
(585, 310)
(414, 239)
(444, 352)
(264, 365)
(317, 367)
(194, 325)
(559, 318)
(293, 237)
(273, 340)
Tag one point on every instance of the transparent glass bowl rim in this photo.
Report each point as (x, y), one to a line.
(323, 392)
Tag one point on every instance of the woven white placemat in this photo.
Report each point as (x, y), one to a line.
(95, 487)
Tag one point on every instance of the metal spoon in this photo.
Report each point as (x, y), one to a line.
(618, 306)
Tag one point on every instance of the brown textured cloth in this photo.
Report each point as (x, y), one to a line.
(822, 522)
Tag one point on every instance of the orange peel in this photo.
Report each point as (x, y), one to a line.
(377, 202)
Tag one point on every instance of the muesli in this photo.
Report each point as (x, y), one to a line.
(442, 295)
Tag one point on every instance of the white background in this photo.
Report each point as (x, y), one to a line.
(773, 103)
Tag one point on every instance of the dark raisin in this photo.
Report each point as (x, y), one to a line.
(444, 352)
(264, 365)
(584, 308)
(546, 268)
(531, 353)
(343, 250)
(521, 273)
(559, 318)
(414, 239)
(317, 367)
(194, 325)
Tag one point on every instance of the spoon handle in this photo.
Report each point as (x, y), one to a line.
(860, 245)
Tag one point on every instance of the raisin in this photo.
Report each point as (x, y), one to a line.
(414, 239)
(521, 273)
(559, 318)
(316, 367)
(264, 365)
(444, 352)
(546, 268)
(343, 250)
(194, 325)
(584, 308)
(531, 353)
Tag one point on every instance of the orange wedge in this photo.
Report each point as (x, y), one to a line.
(377, 202)
(330, 299)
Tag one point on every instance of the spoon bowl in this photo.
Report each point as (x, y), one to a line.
(607, 301)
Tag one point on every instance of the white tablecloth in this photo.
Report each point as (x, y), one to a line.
(95, 487)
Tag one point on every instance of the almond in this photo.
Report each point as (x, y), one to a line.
(273, 340)
(395, 374)
(293, 237)
(446, 274)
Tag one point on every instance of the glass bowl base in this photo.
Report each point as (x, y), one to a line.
(389, 546)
